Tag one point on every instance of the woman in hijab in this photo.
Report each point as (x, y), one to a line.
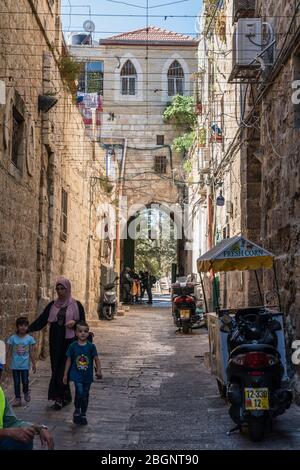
(61, 315)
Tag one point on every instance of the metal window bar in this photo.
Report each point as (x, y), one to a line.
(160, 164)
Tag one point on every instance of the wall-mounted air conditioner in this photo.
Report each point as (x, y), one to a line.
(243, 9)
(205, 159)
(246, 47)
(229, 207)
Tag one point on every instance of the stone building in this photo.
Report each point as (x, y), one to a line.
(252, 56)
(50, 170)
(140, 72)
(215, 192)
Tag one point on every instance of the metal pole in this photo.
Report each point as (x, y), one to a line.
(217, 293)
(204, 295)
(277, 286)
(259, 289)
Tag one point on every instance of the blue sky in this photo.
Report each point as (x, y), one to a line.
(74, 12)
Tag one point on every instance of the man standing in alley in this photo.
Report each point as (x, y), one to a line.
(127, 283)
(148, 282)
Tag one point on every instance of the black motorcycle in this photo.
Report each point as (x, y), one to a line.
(254, 372)
(108, 303)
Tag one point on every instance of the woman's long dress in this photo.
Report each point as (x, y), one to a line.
(58, 345)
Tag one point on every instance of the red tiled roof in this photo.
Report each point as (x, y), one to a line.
(150, 34)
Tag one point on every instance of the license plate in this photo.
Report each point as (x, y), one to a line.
(256, 399)
(184, 313)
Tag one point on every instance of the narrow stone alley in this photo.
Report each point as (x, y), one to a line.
(156, 394)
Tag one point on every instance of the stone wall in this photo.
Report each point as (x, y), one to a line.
(280, 189)
(55, 154)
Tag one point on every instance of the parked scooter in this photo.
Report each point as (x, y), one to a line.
(108, 304)
(186, 311)
(254, 372)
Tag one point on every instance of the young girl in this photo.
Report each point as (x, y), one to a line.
(20, 352)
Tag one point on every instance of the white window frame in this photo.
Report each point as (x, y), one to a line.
(188, 88)
(139, 80)
(128, 80)
(176, 80)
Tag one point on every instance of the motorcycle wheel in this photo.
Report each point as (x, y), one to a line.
(185, 328)
(108, 313)
(257, 429)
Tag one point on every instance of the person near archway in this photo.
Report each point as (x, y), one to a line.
(126, 285)
(148, 282)
(135, 287)
(61, 314)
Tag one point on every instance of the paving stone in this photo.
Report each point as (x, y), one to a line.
(156, 394)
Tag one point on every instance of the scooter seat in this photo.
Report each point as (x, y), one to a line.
(247, 348)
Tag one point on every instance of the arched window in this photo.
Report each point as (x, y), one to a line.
(175, 79)
(128, 79)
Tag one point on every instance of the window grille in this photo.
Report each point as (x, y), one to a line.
(161, 164)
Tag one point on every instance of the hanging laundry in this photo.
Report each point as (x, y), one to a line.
(91, 100)
(216, 129)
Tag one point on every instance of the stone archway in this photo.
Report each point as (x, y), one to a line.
(128, 242)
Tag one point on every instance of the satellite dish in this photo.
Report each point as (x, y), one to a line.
(89, 26)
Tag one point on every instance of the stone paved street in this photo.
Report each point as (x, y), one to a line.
(156, 394)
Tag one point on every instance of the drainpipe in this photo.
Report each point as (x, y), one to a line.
(118, 234)
(209, 219)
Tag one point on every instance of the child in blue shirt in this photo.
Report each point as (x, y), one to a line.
(20, 353)
(81, 355)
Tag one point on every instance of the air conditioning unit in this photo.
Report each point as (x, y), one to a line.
(246, 47)
(243, 9)
(229, 207)
(205, 160)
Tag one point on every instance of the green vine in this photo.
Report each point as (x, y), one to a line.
(202, 137)
(183, 143)
(187, 166)
(70, 71)
(106, 185)
(181, 112)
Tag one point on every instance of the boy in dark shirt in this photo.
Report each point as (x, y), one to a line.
(80, 358)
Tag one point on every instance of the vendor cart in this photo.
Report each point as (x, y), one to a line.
(236, 254)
